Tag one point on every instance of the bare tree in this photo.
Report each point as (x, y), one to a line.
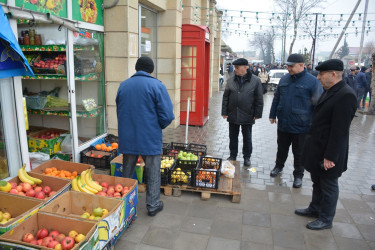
(284, 21)
(371, 110)
(259, 42)
(265, 43)
(368, 51)
(298, 10)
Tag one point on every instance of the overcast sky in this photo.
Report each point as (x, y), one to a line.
(240, 43)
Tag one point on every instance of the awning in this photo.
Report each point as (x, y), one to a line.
(12, 60)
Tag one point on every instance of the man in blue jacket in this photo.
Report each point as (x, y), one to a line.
(362, 86)
(144, 108)
(293, 104)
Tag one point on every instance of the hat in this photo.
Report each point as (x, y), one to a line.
(331, 64)
(357, 68)
(294, 58)
(144, 63)
(241, 61)
(352, 68)
(363, 68)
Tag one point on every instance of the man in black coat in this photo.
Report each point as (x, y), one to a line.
(327, 146)
(242, 105)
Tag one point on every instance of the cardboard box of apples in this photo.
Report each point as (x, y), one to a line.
(47, 141)
(15, 209)
(46, 231)
(107, 212)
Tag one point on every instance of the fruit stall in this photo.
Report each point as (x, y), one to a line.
(65, 205)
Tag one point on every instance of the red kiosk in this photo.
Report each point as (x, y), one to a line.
(195, 70)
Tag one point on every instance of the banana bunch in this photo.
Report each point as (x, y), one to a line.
(84, 183)
(5, 186)
(24, 177)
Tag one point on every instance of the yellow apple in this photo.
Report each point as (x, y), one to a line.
(79, 238)
(73, 234)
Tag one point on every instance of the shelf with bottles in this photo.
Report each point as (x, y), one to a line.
(64, 111)
(55, 48)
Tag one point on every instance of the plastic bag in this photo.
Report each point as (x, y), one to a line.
(228, 169)
(37, 158)
(66, 145)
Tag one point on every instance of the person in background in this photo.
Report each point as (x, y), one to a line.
(326, 150)
(144, 109)
(255, 71)
(221, 76)
(350, 79)
(242, 105)
(368, 78)
(293, 103)
(361, 86)
(264, 78)
(309, 68)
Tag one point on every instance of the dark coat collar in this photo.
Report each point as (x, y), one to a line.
(329, 93)
(299, 75)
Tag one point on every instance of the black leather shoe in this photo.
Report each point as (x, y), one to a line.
(231, 158)
(306, 212)
(318, 225)
(297, 183)
(275, 171)
(373, 187)
(247, 162)
(153, 213)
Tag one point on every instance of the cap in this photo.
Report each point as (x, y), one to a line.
(294, 58)
(241, 61)
(331, 64)
(363, 68)
(144, 63)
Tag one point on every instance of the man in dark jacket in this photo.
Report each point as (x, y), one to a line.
(242, 105)
(326, 149)
(293, 103)
(144, 108)
(362, 85)
(350, 79)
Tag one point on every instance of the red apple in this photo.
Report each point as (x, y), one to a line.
(30, 193)
(40, 195)
(46, 241)
(118, 188)
(26, 187)
(39, 242)
(67, 243)
(60, 237)
(13, 191)
(110, 191)
(110, 195)
(53, 234)
(52, 193)
(37, 189)
(104, 190)
(21, 193)
(111, 187)
(125, 190)
(34, 242)
(47, 190)
(117, 195)
(104, 184)
(52, 244)
(19, 188)
(13, 184)
(42, 233)
(33, 186)
(28, 237)
(102, 193)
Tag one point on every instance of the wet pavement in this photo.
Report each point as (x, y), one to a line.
(264, 219)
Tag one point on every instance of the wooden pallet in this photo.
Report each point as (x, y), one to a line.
(227, 186)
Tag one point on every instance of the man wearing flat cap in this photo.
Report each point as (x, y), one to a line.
(242, 105)
(293, 103)
(326, 149)
(144, 108)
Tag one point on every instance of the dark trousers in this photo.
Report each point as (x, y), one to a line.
(360, 94)
(324, 197)
(283, 143)
(152, 169)
(234, 130)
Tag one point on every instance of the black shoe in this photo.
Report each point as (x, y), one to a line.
(247, 162)
(318, 225)
(297, 183)
(153, 213)
(306, 212)
(275, 171)
(231, 158)
(373, 187)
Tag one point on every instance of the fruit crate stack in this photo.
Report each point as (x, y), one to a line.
(207, 174)
(182, 172)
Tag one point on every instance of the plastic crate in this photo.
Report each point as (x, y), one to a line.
(183, 176)
(103, 162)
(36, 101)
(165, 172)
(200, 148)
(179, 146)
(111, 138)
(165, 147)
(207, 174)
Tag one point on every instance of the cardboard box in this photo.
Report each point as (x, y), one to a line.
(116, 168)
(48, 146)
(61, 165)
(52, 222)
(130, 199)
(128, 221)
(73, 204)
(59, 185)
(19, 207)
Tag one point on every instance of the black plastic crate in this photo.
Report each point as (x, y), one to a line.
(89, 156)
(179, 146)
(166, 146)
(207, 174)
(165, 172)
(111, 138)
(182, 173)
(202, 149)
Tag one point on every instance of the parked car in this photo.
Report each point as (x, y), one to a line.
(275, 76)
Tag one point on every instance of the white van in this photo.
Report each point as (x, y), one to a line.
(275, 76)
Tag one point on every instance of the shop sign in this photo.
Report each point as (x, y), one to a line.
(55, 7)
(89, 11)
(3, 1)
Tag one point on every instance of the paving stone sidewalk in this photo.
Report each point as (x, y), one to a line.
(265, 217)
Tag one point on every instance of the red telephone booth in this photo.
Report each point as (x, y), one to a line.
(195, 69)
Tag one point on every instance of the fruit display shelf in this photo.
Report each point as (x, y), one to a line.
(64, 111)
(59, 48)
(88, 77)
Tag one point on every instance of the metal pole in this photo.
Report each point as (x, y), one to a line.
(363, 34)
(344, 29)
(314, 41)
(187, 121)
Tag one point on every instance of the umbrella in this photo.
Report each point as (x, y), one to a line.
(12, 60)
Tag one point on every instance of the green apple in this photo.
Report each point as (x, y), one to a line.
(98, 212)
(85, 216)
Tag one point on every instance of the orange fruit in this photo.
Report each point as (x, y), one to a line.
(98, 147)
(74, 173)
(104, 147)
(48, 170)
(114, 145)
(54, 169)
(109, 148)
(68, 174)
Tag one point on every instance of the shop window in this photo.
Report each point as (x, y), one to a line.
(148, 34)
